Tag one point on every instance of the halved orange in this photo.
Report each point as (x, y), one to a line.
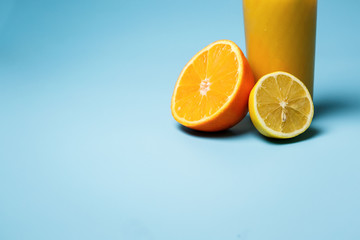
(212, 91)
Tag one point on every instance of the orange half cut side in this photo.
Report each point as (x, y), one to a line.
(211, 93)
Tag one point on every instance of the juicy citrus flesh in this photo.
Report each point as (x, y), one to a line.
(280, 106)
(208, 86)
(207, 83)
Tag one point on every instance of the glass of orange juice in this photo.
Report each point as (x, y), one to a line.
(280, 36)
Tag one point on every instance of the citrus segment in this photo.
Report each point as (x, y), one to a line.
(280, 106)
(212, 91)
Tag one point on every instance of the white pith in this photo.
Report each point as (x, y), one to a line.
(205, 86)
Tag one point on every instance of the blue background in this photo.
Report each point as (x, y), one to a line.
(89, 149)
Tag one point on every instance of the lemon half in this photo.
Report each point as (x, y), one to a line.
(280, 106)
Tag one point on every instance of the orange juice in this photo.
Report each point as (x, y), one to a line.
(280, 36)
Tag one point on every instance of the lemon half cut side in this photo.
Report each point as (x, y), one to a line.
(280, 106)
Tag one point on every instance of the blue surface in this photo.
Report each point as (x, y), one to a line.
(89, 149)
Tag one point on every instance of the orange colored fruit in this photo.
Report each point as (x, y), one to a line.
(212, 91)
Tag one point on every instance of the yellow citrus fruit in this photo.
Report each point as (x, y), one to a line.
(280, 106)
(212, 91)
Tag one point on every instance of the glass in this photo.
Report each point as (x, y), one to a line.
(280, 36)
